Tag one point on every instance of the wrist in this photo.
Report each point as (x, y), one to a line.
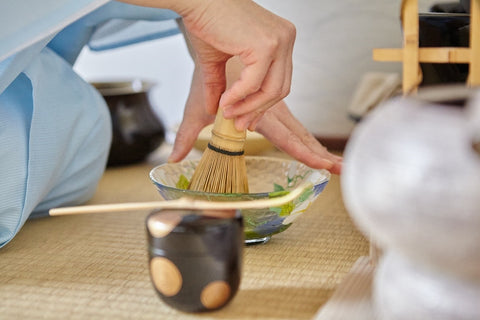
(186, 8)
(182, 7)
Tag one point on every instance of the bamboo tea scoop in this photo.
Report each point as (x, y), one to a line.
(183, 203)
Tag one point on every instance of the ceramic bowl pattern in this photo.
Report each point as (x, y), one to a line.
(267, 178)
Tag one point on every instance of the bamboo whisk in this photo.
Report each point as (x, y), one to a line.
(222, 168)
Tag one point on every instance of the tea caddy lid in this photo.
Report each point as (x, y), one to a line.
(177, 231)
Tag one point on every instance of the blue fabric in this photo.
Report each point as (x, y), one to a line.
(24, 22)
(55, 129)
(11, 67)
(130, 32)
(114, 25)
(55, 135)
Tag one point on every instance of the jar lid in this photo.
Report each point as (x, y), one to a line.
(116, 88)
(177, 231)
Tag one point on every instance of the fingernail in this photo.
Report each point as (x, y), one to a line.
(328, 163)
(240, 127)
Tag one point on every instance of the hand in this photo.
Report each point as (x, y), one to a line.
(195, 118)
(277, 124)
(263, 42)
(287, 133)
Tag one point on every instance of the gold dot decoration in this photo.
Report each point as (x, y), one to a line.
(161, 225)
(166, 276)
(215, 294)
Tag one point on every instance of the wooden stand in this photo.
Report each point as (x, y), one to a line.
(411, 55)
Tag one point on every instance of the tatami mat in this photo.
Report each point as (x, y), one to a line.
(95, 266)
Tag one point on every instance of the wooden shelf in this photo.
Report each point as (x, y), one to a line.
(411, 55)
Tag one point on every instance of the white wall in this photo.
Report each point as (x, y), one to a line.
(332, 52)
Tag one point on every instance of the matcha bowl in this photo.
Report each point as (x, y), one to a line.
(267, 178)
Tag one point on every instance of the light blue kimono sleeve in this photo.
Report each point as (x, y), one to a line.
(55, 135)
(26, 22)
(55, 129)
(114, 25)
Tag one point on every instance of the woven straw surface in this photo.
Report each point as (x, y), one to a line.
(352, 298)
(95, 266)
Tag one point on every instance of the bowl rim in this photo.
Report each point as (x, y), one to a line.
(326, 177)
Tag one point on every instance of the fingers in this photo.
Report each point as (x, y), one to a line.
(289, 135)
(247, 112)
(288, 119)
(213, 85)
(194, 120)
(247, 97)
(185, 139)
(250, 81)
(209, 72)
(250, 109)
(254, 122)
(291, 144)
(264, 81)
(263, 43)
(250, 120)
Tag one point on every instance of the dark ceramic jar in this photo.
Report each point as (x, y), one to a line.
(137, 131)
(195, 259)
